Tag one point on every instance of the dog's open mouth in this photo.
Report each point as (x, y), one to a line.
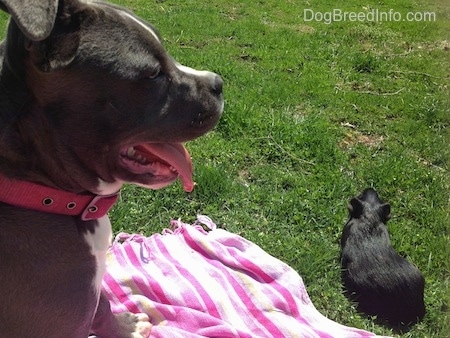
(164, 162)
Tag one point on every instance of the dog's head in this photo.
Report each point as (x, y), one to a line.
(91, 99)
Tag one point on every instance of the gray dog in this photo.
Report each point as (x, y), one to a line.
(89, 100)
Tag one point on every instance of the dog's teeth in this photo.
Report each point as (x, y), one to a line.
(131, 152)
(141, 159)
(172, 169)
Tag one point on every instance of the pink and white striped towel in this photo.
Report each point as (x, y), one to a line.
(197, 283)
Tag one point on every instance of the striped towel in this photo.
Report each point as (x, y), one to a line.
(197, 283)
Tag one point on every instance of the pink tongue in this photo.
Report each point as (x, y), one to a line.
(173, 154)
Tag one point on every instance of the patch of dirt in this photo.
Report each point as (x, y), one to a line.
(354, 137)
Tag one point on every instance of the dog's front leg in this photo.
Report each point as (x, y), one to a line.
(122, 325)
(105, 323)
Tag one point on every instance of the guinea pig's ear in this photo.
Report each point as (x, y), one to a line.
(385, 212)
(355, 208)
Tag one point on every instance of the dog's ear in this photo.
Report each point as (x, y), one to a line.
(355, 208)
(60, 47)
(35, 18)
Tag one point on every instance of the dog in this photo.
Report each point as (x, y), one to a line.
(383, 283)
(89, 100)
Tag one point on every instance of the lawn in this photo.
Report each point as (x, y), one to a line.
(315, 112)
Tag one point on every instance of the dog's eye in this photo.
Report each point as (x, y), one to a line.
(153, 73)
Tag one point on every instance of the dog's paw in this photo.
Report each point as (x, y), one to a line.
(134, 325)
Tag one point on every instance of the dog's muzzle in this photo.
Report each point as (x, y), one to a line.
(216, 84)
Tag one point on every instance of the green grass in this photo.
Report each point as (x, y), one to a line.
(314, 114)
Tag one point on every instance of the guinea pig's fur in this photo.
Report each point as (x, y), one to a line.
(383, 283)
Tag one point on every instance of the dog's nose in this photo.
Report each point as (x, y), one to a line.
(216, 84)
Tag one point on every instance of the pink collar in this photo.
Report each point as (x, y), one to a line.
(42, 198)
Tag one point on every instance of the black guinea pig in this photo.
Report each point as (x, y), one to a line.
(383, 283)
